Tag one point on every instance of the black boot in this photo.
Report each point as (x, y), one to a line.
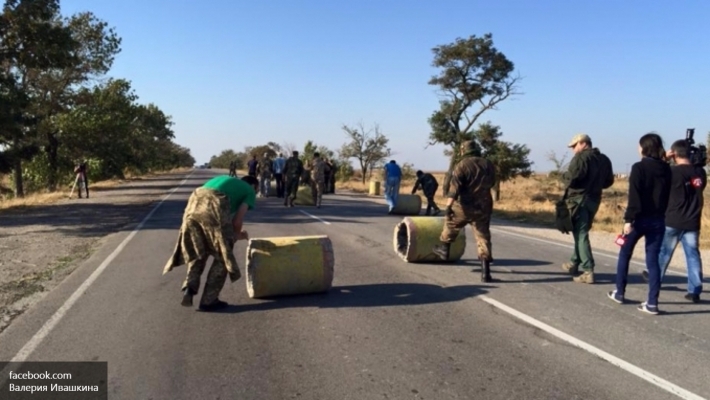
(485, 270)
(442, 250)
(187, 298)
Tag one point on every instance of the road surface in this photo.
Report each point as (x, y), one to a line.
(387, 330)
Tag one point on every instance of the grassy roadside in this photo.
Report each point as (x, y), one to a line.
(532, 201)
(8, 203)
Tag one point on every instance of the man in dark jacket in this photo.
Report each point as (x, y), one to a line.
(429, 185)
(470, 202)
(588, 174)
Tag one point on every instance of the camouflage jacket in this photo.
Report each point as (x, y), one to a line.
(427, 183)
(265, 168)
(472, 180)
(293, 168)
(588, 174)
(318, 170)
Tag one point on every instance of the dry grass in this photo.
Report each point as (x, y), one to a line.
(7, 202)
(532, 200)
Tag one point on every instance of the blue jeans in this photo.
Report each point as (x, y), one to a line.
(392, 191)
(689, 240)
(652, 230)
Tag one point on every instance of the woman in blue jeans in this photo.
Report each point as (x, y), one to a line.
(649, 187)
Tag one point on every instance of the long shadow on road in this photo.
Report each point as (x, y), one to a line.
(359, 296)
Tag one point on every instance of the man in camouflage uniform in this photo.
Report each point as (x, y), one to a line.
(317, 179)
(470, 202)
(429, 185)
(292, 175)
(333, 174)
(211, 224)
(265, 169)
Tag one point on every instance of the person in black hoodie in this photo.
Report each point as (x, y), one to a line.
(683, 216)
(649, 188)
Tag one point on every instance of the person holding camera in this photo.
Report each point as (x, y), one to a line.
(683, 216)
(649, 187)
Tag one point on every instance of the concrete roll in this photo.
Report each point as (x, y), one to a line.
(281, 266)
(374, 188)
(408, 204)
(415, 237)
(304, 196)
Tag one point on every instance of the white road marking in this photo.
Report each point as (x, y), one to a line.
(314, 217)
(643, 374)
(567, 246)
(44, 331)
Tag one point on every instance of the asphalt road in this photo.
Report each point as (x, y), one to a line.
(387, 330)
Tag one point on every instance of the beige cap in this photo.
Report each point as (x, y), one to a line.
(580, 137)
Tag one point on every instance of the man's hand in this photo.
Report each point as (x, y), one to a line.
(628, 228)
(449, 213)
(243, 235)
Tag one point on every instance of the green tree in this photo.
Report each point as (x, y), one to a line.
(310, 148)
(510, 160)
(224, 158)
(31, 42)
(368, 147)
(474, 78)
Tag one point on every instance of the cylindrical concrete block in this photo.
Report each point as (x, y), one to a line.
(281, 266)
(304, 196)
(374, 188)
(415, 238)
(408, 204)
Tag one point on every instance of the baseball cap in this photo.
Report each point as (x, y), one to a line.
(581, 137)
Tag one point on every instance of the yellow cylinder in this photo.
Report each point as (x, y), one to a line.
(281, 266)
(374, 188)
(415, 238)
(304, 196)
(408, 204)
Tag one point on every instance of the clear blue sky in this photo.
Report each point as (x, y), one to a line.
(235, 73)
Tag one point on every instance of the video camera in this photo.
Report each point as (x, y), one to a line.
(698, 155)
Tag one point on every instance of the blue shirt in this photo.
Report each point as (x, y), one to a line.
(279, 164)
(393, 170)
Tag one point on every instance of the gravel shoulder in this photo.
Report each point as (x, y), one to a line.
(42, 245)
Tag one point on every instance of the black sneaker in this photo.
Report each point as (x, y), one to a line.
(644, 275)
(695, 298)
(619, 298)
(217, 305)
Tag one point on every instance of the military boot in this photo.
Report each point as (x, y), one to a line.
(485, 270)
(442, 250)
(571, 269)
(187, 298)
(586, 277)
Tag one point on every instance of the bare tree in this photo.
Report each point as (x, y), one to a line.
(560, 163)
(288, 148)
(368, 146)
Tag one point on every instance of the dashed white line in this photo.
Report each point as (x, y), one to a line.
(32, 344)
(314, 217)
(643, 374)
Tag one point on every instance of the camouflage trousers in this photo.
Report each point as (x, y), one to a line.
(479, 217)
(317, 188)
(206, 231)
(291, 188)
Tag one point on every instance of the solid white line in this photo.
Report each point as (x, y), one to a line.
(32, 344)
(567, 246)
(643, 374)
(314, 217)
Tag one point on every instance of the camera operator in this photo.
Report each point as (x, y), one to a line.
(683, 215)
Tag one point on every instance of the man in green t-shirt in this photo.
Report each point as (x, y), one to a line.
(211, 225)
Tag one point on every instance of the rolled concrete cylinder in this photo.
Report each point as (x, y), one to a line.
(408, 204)
(281, 266)
(374, 188)
(415, 238)
(304, 196)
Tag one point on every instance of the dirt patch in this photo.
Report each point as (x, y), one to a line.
(41, 245)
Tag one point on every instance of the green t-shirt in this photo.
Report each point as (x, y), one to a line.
(236, 190)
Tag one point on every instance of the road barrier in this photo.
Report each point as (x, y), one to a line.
(408, 204)
(415, 237)
(281, 266)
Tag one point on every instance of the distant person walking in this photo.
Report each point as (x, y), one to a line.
(393, 178)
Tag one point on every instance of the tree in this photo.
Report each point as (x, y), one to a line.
(288, 148)
(369, 147)
(310, 148)
(224, 158)
(510, 160)
(31, 42)
(474, 73)
(560, 163)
